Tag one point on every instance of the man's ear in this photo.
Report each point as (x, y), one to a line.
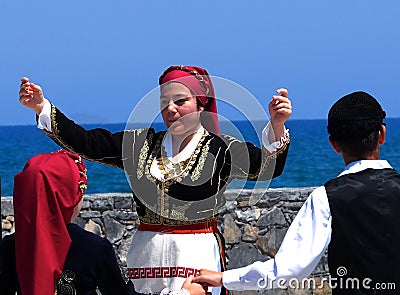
(334, 145)
(382, 134)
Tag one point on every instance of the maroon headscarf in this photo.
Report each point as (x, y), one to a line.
(45, 195)
(199, 82)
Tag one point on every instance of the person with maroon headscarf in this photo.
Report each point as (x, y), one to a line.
(177, 176)
(51, 253)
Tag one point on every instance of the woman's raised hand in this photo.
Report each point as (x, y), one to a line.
(31, 95)
(280, 109)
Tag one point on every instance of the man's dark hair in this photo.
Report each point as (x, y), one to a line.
(354, 122)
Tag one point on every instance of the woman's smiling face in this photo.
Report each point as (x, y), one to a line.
(179, 108)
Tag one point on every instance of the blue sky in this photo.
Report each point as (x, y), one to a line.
(97, 59)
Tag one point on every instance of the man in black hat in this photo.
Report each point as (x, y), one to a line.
(355, 214)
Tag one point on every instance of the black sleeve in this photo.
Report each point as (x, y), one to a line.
(109, 277)
(280, 160)
(253, 163)
(98, 145)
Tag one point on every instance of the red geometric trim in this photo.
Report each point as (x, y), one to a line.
(161, 272)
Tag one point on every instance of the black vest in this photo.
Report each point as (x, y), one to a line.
(365, 245)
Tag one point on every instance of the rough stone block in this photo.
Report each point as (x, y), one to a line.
(123, 202)
(89, 214)
(273, 217)
(7, 206)
(250, 233)
(244, 254)
(232, 232)
(102, 204)
(248, 215)
(268, 199)
(114, 229)
(271, 241)
(93, 227)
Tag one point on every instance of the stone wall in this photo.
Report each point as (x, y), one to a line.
(253, 223)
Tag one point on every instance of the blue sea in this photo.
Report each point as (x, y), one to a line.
(311, 160)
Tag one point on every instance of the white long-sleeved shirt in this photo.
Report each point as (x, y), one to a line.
(303, 246)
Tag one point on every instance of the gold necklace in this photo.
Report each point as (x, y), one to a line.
(169, 169)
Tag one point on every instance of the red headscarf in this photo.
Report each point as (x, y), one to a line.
(199, 82)
(45, 195)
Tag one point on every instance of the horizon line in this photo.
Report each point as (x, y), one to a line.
(160, 122)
